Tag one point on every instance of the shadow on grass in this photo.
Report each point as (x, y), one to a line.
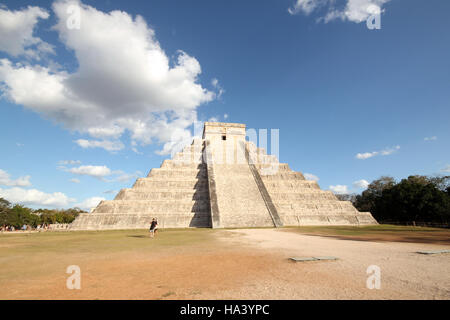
(380, 233)
(136, 236)
(444, 240)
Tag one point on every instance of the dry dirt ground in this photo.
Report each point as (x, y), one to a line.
(218, 264)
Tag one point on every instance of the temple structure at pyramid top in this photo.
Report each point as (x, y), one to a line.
(222, 181)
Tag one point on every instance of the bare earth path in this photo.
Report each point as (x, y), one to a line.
(404, 273)
(217, 264)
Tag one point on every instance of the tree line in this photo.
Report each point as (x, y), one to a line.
(416, 198)
(18, 215)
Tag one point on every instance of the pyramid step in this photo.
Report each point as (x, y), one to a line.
(292, 197)
(175, 178)
(188, 156)
(177, 173)
(171, 164)
(133, 194)
(273, 186)
(316, 212)
(111, 206)
(173, 184)
(152, 189)
(278, 166)
(307, 191)
(287, 176)
(314, 207)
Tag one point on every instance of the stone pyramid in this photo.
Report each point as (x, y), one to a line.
(222, 181)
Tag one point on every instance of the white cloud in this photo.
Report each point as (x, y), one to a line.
(361, 184)
(36, 197)
(125, 177)
(104, 144)
(354, 10)
(359, 10)
(385, 152)
(305, 6)
(5, 180)
(366, 155)
(218, 87)
(389, 151)
(92, 171)
(102, 173)
(225, 116)
(89, 203)
(446, 168)
(69, 162)
(16, 32)
(310, 176)
(339, 189)
(433, 138)
(124, 82)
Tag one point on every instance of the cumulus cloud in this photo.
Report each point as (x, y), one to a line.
(352, 10)
(446, 168)
(102, 173)
(104, 144)
(36, 197)
(5, 180)
(339, 189)
(90, 203)
(433, 138)
(75, 180)
(98, 172)
(16, 32)
(361, 184)
(306, 6)
(124, 82)
(385, 152)
(310, 176)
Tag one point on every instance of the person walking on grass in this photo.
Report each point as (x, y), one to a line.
(153, 228)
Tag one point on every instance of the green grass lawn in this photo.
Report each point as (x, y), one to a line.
(99, 241)
(34, 254)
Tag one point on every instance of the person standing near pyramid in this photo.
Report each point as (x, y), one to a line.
(153, 227)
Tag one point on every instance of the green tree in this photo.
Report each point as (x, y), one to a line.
(367, 201)
(5, 207)
(20, 215)
(417, 198)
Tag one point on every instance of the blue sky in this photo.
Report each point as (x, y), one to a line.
(86, 111)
